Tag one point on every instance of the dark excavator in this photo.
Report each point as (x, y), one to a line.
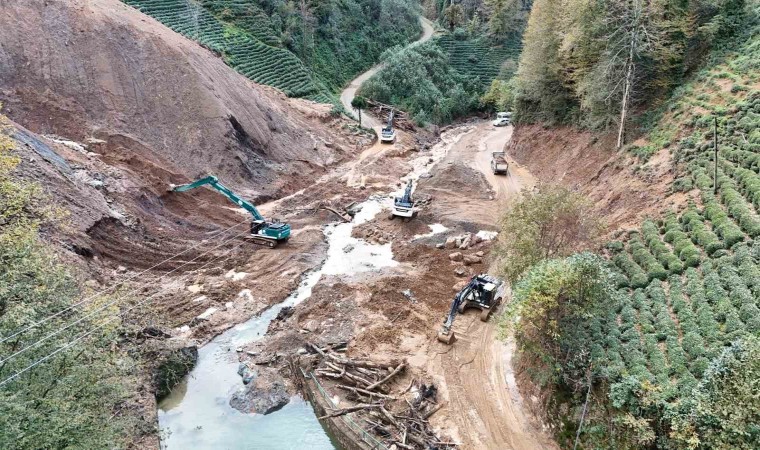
(482, 292)
(262, 231)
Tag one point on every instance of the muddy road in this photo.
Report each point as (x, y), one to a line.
(394, 310)
(485, 405)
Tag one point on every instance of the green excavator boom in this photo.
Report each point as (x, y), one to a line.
(269, 232)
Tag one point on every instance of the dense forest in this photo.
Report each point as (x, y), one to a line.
(596, 63)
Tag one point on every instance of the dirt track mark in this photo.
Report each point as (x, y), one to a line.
(485, 403)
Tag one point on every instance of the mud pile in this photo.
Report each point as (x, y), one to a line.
(164, 107)
(128, 106)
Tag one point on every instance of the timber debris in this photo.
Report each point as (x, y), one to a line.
(397, 416)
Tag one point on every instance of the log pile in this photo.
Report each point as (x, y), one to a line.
(401, 119)
(398, 419)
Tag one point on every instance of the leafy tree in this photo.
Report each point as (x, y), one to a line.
(723, 411)
(553, 222)
(73, 400)
(359, 103)
(499, 96)
(505, 17)
(549, 302)
(454, 16)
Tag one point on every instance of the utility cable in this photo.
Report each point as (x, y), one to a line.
(103, 291)
(88, 333)
(102, 307)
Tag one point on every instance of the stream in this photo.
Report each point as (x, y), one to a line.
(197, 413)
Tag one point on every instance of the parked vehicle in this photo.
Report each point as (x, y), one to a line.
(503, 119)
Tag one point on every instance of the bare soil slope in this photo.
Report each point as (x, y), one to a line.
(151, 108)
(165, 106)
(625, 192)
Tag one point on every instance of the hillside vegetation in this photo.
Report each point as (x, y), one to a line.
(80, 399)
(597, 63)
(290, 45)
(663, 353)
(478, 48)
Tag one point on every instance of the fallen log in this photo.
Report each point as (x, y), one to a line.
(350, 409)
(398, 369)
(361, 363)
(343, 217)
(364, 391)
(432, 411)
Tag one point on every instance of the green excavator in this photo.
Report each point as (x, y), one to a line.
(262, 232)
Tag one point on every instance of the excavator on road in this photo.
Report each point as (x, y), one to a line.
(404, 206)
(483, 292)
(262, 232)
(388, 134)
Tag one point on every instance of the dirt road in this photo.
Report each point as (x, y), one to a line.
(349, 92)
(469, 161)
(485, 404)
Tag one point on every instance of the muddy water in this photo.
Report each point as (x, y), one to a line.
(197, 414)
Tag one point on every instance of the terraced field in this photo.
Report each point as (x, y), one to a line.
(475, 58)
(690, 280)
(253, 55)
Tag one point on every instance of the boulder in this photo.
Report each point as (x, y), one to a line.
(466, 242)
(472, 259)
(480, 254)
(285, 312)
(246, 373)
(460, 271)
(265, 394)
(440, 245)
(456, 256)
(451, 242)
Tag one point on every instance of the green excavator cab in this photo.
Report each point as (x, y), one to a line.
(262, 231)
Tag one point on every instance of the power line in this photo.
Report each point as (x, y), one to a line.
(103, 291)
(92, 313)
(88, 333)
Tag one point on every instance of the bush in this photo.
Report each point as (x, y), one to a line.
(722, 411)
(554, 222)
(659, 249)
(645, 259)
(699, 233)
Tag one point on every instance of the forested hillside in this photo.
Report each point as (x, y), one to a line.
(655, 344)
(294, 46)
(475, 52)
(596, 64)
(78, 400)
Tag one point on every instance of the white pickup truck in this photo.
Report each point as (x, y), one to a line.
(499, 164)
(503, 119)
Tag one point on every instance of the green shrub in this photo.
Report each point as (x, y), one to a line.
(645, 259)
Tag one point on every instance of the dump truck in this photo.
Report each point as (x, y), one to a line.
(499, 164)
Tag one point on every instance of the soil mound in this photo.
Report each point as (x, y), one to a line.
(164, 106)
